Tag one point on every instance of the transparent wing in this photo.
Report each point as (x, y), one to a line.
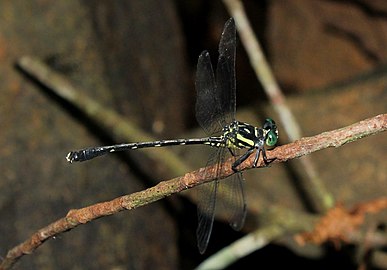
(233, 200)
(206, 214)
(225, 72)
(215, 108)
(232, 189)
(216, 101)
(208, 109)
(207, 200)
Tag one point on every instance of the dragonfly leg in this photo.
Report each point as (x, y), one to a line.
(259, 149)
(265, 159)
(241, 159)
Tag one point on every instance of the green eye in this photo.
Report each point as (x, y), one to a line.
(271, 139)
(269, 123)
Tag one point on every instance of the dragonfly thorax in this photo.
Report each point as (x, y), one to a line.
(240, 135)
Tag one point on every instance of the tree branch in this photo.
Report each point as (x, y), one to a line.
(304, 146)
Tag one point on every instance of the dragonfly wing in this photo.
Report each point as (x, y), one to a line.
(231, 194)
(234, 201)
(206, 213)
(225, 72)
(215, 108)
(208, 109)
(207, 194)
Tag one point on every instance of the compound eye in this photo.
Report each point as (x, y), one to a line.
(269, 124)
(271, 139)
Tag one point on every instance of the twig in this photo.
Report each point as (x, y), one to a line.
(314, 187)
(242, 247)
(341, 224)
(283, 153)
(282, 221)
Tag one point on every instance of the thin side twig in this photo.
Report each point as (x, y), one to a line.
(304, 146)
(242, 247)
(281, 221)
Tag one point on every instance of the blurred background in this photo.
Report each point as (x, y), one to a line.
(138, 58)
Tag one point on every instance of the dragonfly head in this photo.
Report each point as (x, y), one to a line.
(271, 132)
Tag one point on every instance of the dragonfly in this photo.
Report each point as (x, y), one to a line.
(215, 113)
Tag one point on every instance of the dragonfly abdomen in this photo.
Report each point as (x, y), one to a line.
(90, 153)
